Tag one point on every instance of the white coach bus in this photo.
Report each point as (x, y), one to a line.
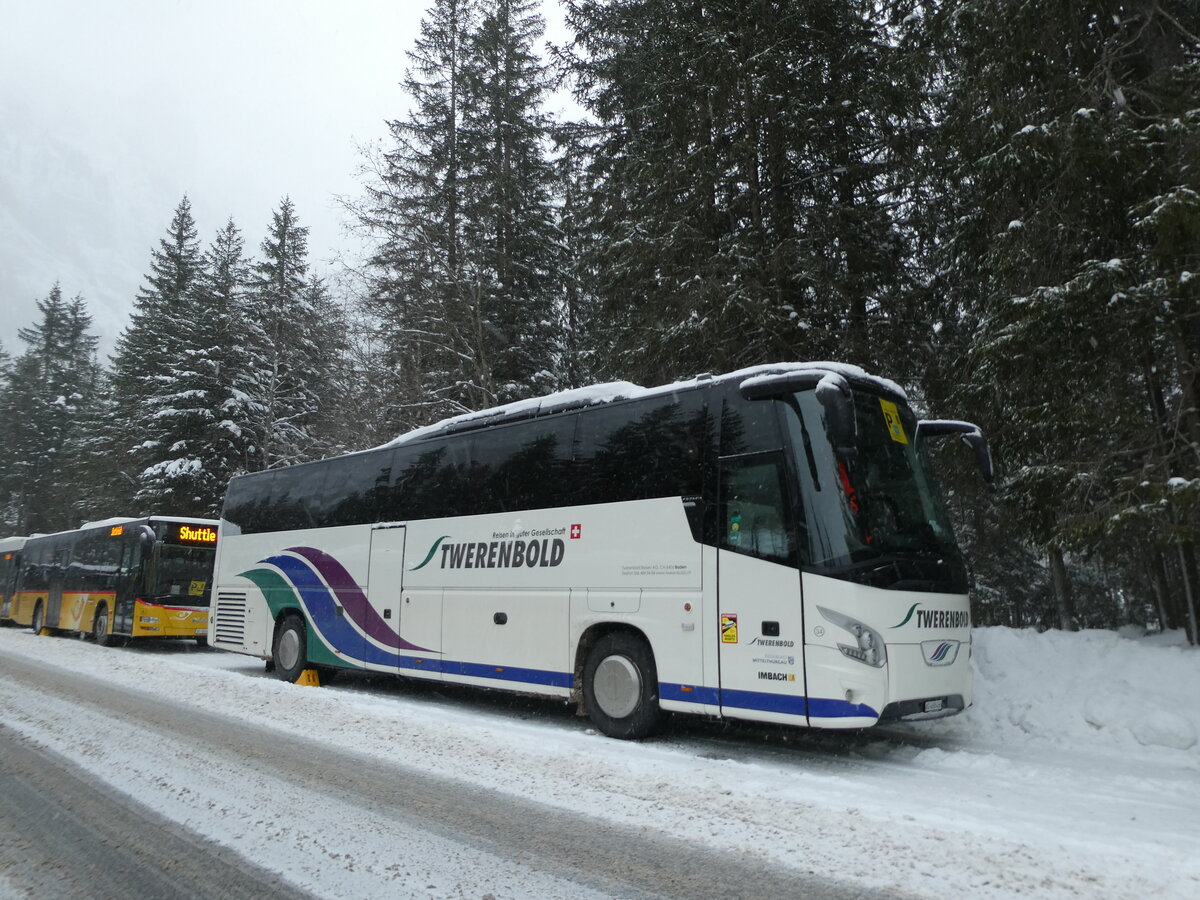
(766, 545)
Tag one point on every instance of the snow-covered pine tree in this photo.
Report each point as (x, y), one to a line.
(747, 196)
(1068, 226)
(413, 210)
(462, 209)
(295, 335)
(152, 365)
(509, 240)
(222, 336)
(48, 389)
(201, 415)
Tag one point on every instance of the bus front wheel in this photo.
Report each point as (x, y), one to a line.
(620, 686)
(39, 618)
(100, 627)
(291, 648)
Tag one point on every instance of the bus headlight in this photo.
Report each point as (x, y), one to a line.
(868, 647)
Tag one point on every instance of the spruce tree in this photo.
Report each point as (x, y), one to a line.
(463, 212)
(48, 389)
(414, 211)
(509, 242)
(748, 200)
(152, 365)
(295, 337)
(1069, 162)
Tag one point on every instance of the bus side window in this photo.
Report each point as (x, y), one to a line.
(754, 508)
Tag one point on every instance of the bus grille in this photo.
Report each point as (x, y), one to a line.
(229, 622)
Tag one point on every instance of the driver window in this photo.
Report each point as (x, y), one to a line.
(753, 508)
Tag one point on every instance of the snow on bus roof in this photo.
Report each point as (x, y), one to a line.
(624, 390)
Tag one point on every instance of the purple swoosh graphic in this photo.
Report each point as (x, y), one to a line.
(353, 600)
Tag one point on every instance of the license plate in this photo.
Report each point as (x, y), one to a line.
(934, 705)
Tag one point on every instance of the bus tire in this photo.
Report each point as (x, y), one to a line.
(290, 649)
(100, 627)
(39, 618)
(620, 686)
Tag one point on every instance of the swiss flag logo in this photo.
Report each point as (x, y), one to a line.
(576, 532)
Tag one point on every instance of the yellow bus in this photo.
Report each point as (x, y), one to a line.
(119, 579)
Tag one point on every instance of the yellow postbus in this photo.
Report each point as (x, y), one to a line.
(119, 579)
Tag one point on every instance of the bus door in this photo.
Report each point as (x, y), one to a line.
(409, 620)
(128, 584)
(58, 577)
(761, 628)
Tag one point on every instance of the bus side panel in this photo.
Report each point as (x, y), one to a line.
(515, 639)
(151, 620)
(674, 622)
(635, 564)
(316, 572)
(23, 603)
(79, 609)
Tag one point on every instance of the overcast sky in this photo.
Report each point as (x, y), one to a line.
(111, 110)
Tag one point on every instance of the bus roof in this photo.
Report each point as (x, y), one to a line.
(125, 520)
(580, 398)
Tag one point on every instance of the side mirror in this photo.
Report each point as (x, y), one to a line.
(832, 392)
(971, 434)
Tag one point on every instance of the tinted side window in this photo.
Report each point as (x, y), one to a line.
(248, 503)
(635, 451)
(295, 493)
(523, 466)
(748, 426)
(429, 480)
(353, 488)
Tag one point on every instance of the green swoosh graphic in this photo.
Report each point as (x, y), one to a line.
(275, 589)
(911, 610)
(432, 550)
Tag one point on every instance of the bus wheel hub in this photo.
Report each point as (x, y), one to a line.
(618, 686)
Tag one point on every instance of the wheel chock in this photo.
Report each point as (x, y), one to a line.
(45, 632)
(309, 678)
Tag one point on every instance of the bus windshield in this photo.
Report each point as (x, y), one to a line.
(874, 516)
(180, 575)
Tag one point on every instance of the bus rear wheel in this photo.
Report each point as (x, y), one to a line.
(290, 651)
(620, 686)
(100, 627)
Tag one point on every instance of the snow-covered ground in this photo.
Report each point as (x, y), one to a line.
(1076, 774)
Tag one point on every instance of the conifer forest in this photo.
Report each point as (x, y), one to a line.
(994, 203)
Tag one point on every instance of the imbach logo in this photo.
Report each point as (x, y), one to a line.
(495, 554)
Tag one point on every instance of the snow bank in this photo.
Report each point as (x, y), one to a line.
(1078, 689)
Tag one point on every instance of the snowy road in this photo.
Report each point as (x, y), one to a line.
(395, 789)
(63, 835)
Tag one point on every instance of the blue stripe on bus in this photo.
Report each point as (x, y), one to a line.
(776, 703)
(821, 708)
(689, 693)
(481, 670)
(512, 673)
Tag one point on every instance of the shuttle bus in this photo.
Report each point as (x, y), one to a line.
(766, 545)
(10, 566)
(119, 579)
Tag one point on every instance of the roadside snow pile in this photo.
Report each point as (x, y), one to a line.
(1073, 689)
